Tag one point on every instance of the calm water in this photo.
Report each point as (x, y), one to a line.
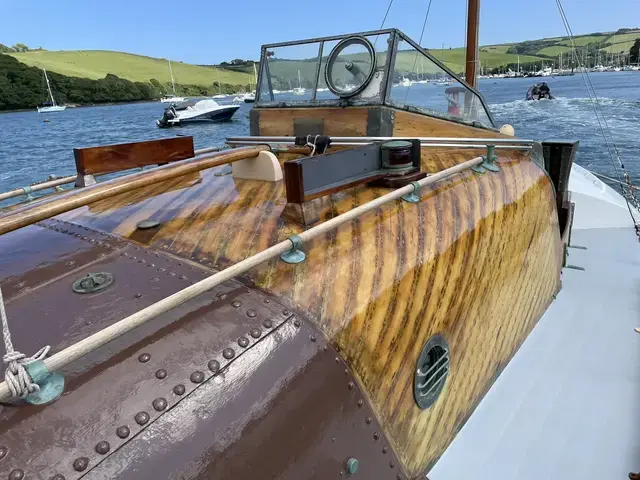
(31, 149)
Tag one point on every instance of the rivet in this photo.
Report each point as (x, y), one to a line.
(161, 374)
(81, 464)
(197, 377)
(162, 269)
(159, 404)
(286, 312)
(3, 452)
(123, 431)
(84, 237)
(368, 420)
(228, 353)
(243, 342)
(398, 477)
(255, 332)
(251, 313)
(267, 323)
(155, 279)
(92, 240)
(297, 322)
(141, 418)
(132, 257)
(138, 295)
(376, 436)
(144, 357)
(103, 447)
(325, 348)
(172, 274)
(385, 449)
(141, 260)
(151, 264)
(266, 300)
(337, 360)
(16, 474)
(58, 476)
(213, 365)
(179, 264)
(179, 389)
(351, 385)
(222, 296)
(182, 277)
(360, 403)
(346, 371)
(236, 304)
(312, 338)
(392, 464)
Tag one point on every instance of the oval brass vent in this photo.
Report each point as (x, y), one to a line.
(431, 371)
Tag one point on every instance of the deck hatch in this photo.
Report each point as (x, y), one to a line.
(432, 370)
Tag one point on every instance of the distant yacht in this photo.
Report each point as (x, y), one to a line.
(51, 105)
(299, 90)
(172, 98)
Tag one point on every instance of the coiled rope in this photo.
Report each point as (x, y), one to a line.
(602, 119)
(19, 381)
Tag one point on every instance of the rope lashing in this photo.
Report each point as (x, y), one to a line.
(19, 382)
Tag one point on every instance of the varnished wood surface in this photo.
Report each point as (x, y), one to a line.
(123, 156)
(477, 260)
(346, 122)
(31, 213)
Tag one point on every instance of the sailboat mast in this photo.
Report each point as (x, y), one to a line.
(255, 76)
(173, 85)
(218, 78)
(53, 101)
(473, 28)
(299, 83)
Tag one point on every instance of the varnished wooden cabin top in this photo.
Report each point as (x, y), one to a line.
(477, 260)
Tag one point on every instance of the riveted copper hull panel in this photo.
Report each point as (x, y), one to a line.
(285, 409)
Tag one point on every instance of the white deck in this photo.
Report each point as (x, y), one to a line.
(568, 405)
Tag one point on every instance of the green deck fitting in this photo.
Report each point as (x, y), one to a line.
(295, 255)
(412, 197)
(51, 384)
(490, 159)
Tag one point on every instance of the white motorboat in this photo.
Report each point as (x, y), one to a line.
(51, 105)
(172, 98)
(196, 110)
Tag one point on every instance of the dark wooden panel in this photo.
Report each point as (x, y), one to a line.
(123, 156)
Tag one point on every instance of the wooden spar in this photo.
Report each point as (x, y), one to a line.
(72, 178)
(473, 27)
(37, 187)
(34, 213)
(85, 346)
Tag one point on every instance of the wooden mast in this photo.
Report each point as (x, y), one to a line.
(473, 22)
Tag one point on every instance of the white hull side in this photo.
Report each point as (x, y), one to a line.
(56, 108)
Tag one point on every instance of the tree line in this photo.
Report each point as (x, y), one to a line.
(23, 87)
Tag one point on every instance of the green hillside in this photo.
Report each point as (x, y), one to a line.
(95, 64)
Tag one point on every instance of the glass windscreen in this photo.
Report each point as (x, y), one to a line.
(419, 82)
(290, 72)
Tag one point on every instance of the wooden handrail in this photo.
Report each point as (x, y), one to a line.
(30, 214)
(106, 335)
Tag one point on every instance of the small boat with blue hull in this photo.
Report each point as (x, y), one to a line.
(196, 110)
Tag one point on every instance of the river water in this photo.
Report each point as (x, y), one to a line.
(31, 149)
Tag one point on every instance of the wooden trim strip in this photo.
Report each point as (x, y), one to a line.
(30, 214)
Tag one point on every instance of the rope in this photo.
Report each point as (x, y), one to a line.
(312, 144)
(614, 180)
(595, 102)
(415, 59)
(19, 382)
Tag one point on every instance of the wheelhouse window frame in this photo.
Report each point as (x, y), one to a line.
(268, 100)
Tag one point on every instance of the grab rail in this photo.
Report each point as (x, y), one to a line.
(69, 179)
(104, 336)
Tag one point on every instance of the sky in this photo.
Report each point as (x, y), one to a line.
(211, 31)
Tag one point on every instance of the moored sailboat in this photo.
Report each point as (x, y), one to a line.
(172, 97)
(50, 105)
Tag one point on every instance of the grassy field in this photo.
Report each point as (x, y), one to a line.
(585, 40)
(96, 64)
(554, 51)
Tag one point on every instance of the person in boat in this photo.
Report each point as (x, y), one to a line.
(539, 91)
